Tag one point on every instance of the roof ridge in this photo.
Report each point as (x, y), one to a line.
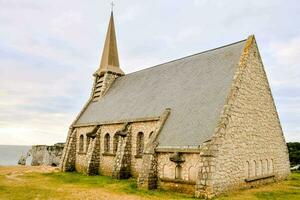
(185, 57)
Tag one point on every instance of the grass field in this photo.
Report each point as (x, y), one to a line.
(45, 183)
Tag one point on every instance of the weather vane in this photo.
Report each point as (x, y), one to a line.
(112, 6)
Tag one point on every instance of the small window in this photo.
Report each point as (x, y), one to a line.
(116, 141)
(140, 143)
(259, 168)
(265, 167)
(271, 166)
(178, 170)
(253, 168)
(247, 170)
(106, 143)
(81, 143)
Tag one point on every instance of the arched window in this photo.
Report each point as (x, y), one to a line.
(116, 141)
(259, 168)
(178, 170)
(265, 166)
(253, 168)
(247, 170)
(81, 143)
(106, 143)
(164, 171)
(271, 166)
(140, 143)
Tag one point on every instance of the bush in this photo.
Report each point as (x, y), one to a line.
(294, 153)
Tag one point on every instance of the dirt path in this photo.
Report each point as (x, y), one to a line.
(101, 194)
(13, 173)
(5, 170)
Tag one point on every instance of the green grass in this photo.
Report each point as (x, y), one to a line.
(120, 186)
(58, 185)
(290, 191)
(284, 190)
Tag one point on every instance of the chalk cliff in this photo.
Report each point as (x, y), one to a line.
(43, 155)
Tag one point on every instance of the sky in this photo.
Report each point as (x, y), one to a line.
(49, 50)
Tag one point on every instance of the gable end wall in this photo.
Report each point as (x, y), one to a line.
(249, 146)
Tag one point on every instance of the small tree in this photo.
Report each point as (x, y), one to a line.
(294, 153)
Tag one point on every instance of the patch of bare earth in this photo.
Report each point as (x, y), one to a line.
(101, 194)
(14, 174)
(4, 170)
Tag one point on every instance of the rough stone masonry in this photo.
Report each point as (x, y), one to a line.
(204, 124)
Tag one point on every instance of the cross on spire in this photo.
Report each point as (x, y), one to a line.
(112, 6)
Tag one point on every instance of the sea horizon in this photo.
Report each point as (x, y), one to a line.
(10, 154)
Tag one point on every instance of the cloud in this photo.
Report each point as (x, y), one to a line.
(287, 52)
(49, 50)
(284, 72)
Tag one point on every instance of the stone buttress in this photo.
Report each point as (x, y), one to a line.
(122, 162)
(148, 176)
(93, 153)
(68, 158)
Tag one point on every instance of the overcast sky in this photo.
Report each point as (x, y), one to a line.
(49, 50)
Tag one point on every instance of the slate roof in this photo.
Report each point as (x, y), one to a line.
(194, 87)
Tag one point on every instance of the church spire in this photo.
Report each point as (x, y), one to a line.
(109, 68)
(110, 59)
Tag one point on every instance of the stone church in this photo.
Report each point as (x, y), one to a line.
(203, 124)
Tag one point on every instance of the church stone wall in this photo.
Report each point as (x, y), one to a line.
(146, 128)
(184, 180)
(248, 147)
(107, 159)
(80, 162)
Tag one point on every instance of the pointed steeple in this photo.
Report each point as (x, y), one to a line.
(110, 59)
